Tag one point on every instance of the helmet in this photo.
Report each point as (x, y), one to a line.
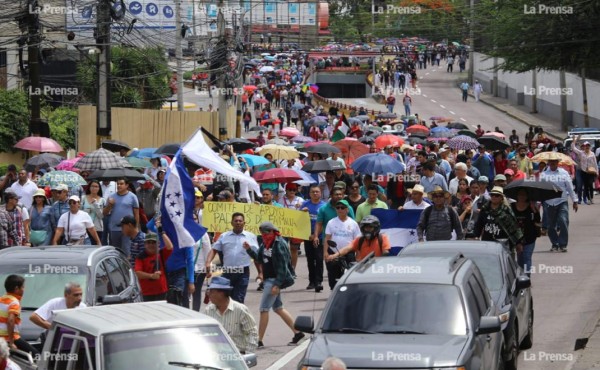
(370, 221)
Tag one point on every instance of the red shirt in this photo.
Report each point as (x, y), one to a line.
(146, 263)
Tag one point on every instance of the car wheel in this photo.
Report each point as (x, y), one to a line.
(528, 340)
(512, 350)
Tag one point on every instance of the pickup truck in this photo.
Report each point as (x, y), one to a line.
(152, 335)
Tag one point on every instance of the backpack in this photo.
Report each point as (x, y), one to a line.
(427, 214)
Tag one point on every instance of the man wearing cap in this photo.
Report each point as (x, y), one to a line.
(138, 238)
(24, 188)
(556, 211)
(75, 225)
(500, 180)
(234, 316)
(438, 221)
(460, 170)
(149, 267)
(484, 162)
(274, 258)
(588, 167)
(236, 262)
(416, 199)
(497, 221)
(60, 206)
(18, 214)
(9, 237)
(372, 202)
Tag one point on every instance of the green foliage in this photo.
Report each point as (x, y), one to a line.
(139, 78)
(63, 123)
(14, 118)
(4, 168)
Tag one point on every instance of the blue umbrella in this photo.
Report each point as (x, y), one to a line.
(440, 129)
(307, 179)
(270, 58)
(377, 164)
(143, 153)
(254, 160)
(298, 106)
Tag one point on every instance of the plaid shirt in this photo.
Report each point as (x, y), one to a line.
(8, 232)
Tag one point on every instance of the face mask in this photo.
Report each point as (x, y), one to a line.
(268, 239)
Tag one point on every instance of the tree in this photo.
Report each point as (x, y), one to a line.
(63, 123)
(14, 118)
(139, 78)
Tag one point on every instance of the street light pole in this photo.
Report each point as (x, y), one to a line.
(103, 111)
(179, 55)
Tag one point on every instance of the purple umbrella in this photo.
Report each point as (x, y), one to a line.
(303, 139)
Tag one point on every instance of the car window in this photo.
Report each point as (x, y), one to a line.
(491, 269)
(511, 270)
(126, 268)
(116, 275)
(103, 285)
(484, 294)
(66, 349)
(471, 303)
(478, 297)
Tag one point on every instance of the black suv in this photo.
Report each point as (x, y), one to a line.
(509, 286)
(103, 273)
(407, 313)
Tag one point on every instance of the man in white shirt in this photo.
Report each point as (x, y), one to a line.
(460, 170)
(24, 188)
(44, 315)
(416, 202)
(342, 230)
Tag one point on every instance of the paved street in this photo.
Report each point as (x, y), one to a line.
(565, 285)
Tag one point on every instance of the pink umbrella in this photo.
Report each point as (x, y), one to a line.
(289, 132)
(67, 165)
(496, 134)
(39, 144)
(314, 88)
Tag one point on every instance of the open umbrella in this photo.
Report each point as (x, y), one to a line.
(414, 140)
(387, 115)
(254, 160)
(69, 178)
(351, 149)
(462, 142)
(302, 139)
(39, 144)
(377, 164)
(493, 143)
(495, 134)
(250, 88)
(363, 118)
(553, 156)
(257, 128)
(240, 144)
(67, 164)
(143, 153)
(298, 106)
(323, 165)
(306, 180)
(43, 160)
(113, 174)
(385, 140)
(418, 128)
(317, 120)
(368, 140)
(439, 129)
(138, 162)
(457, 126)
(266, 69)
(101, 159)
(324, 149)
(354, 120)
(467, 133)
(114, 145)
(289, 132)
(168, 149)
(281, 175)
(261, 101)
(279, 151)
(278, 141)
(270, 121)
(537, 191)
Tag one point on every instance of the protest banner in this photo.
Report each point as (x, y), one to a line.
(216, 217)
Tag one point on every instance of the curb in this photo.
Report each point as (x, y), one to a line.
(589, 335)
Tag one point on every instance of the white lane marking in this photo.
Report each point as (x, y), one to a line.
(435, 70)
(426, 73)
(462, 119)
(442, 106)
(433, 101)
(451, 112)
(279, 364)
(424, 95)
(474, 126)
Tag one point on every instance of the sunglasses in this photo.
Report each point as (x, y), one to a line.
(341, 207)
(437, 196)
(496, 195)
(199, 197)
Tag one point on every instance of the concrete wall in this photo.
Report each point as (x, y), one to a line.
(518, 89)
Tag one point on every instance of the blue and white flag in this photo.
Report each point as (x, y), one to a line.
(399, 226)
(177, 206)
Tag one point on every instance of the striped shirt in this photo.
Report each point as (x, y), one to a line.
(10, 303)
(586, 160)
(239, 324)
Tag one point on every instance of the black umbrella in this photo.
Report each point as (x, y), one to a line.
(387, 115)
(258, 128)
(414, 140)
(322, 166)
(240, 144)
(168, 149)
(367, 140)
(114, 145)
(323, 149)
(114, 174)
(458, 126)
(537, 191)
(493, 143)
(467, 133)
(43, 160)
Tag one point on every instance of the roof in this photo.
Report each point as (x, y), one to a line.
(406, 269)
(451, 246)
(49, 254)
(101, 320)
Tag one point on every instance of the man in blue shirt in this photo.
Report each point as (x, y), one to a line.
(122, 203)
(314, 250)
(431, 179)
(484, 163)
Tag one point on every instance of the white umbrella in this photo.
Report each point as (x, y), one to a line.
(266, 69)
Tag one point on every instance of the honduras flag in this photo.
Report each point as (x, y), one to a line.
(399, 226)
(177, 206)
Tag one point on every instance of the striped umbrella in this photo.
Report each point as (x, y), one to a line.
(462, 142)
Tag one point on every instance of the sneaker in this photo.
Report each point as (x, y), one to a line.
(319, 288)
(297, 338)
(261, 287)
(261, 344)
(310, 287)
(563, 249)
(554, 248)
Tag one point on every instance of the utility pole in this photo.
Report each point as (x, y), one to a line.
(179, 55)
(103, 111)
(534, 86)
(37, 127)
(563, 101)
(472, 43)
(221, 50)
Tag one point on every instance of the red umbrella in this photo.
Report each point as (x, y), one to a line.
(250, 88)
(417, 128)
(281, 175)
(351, 149)
(39, 144)
(308, 145)
(385, 140)
(261, 101)
(496, 134)
(271, 121)
(289, 132)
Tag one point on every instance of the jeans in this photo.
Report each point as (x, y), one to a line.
(390, 108)
(407, 109)
(314, 259)
(120, 241)
(558, 217)
(177, 280)
(268, 300)
(524, 258)
(465, 95)
(197, 296)
(105, 234)
(239, 281)
(579, 186)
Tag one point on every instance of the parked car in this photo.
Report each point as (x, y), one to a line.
(408, 313)
(103, 273)
(508, 284)
(152, 335)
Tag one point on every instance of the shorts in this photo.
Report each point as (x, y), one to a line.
(268, 300)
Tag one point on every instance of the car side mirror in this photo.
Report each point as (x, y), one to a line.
(304, 324)
(523, 282)
(489, 325)
(250, 359)
(111, 299)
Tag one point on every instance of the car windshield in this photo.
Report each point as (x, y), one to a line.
(45, 281)
(397, 308)
(155, 349)
(491, 269)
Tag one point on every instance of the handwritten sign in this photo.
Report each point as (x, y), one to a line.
(216, 217)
